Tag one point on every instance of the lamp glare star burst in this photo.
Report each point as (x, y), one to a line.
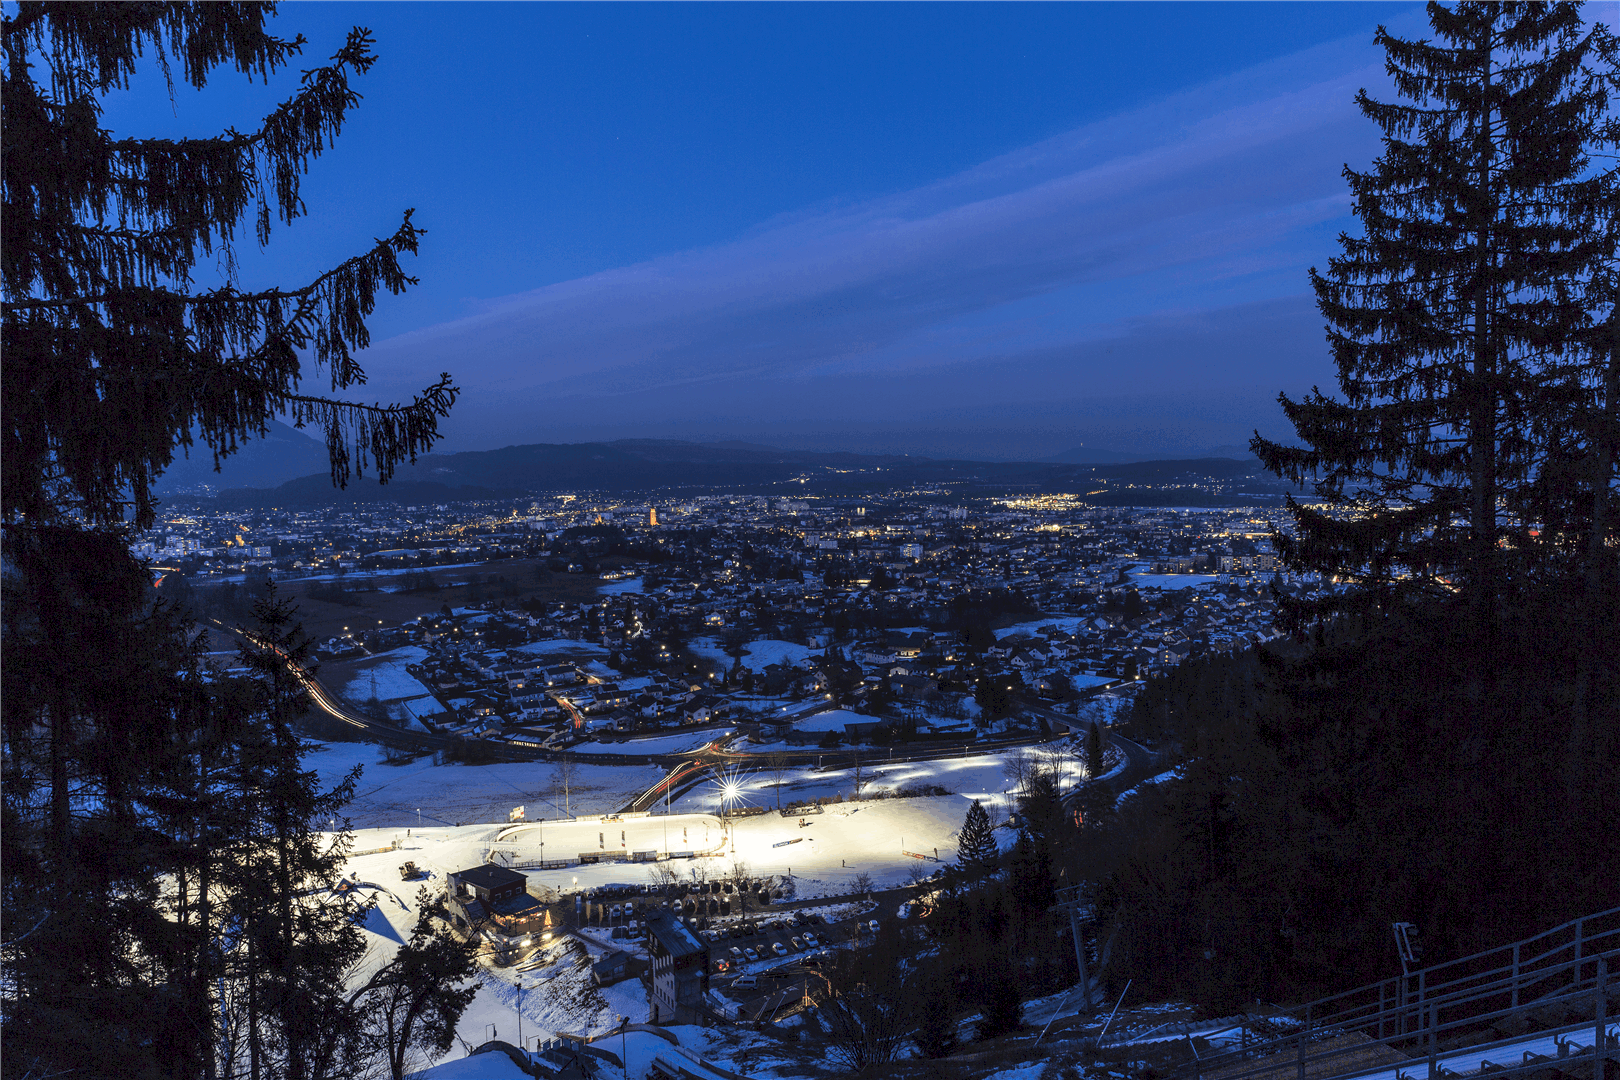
(729, 785)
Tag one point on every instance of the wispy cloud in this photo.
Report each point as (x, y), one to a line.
(987, 285)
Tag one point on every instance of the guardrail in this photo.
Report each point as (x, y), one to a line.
(1517, 972)
(1550, 973)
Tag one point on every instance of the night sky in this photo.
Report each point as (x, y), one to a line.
(965, 230)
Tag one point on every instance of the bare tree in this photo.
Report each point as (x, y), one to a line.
(1017, 770)
(862, 882)
(860, 776)
(867, 1007)
(563, 777)
(661, 876)
(776, 763)
(1052, 759)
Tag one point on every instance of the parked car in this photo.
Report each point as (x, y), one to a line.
(750, 953)
(744, 982)
(798, 943)
(874, 925)
(811, 940)
(778, 948)
(736, 953)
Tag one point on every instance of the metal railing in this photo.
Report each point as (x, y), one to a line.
(1420, 1013)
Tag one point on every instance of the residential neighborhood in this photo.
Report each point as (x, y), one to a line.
(826, 620)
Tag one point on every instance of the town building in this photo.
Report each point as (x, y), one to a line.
(494, 898)
(680, 972)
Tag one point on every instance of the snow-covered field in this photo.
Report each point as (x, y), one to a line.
(531, 841)
(384, 676)
(662, 744)
(391, 795)
(1080, 682)
(562, 650)
(1173, 581)
(830, 720)
(759, 654)
(1066, 624)
(823, 856)
(983, 777)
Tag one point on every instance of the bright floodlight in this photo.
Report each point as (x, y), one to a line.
(729, 784)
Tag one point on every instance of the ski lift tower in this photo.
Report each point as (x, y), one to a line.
(1077, 905)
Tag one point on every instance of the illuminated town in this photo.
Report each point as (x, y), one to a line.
(766, 715)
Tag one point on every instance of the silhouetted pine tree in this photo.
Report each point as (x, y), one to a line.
(127, 764)
(976, 850)
(936, 1034)
(1465, 320)
(1001, 1004)
(413, 1003)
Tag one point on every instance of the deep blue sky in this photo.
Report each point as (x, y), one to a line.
(987, 230)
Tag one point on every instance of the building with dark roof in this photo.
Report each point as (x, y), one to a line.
(680, 972)
(611, 968)
(496, 898)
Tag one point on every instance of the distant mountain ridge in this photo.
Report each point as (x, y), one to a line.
(1086, 455)
(283, 454)
(648, 464)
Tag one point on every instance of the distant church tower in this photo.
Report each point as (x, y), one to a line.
(652, 517)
